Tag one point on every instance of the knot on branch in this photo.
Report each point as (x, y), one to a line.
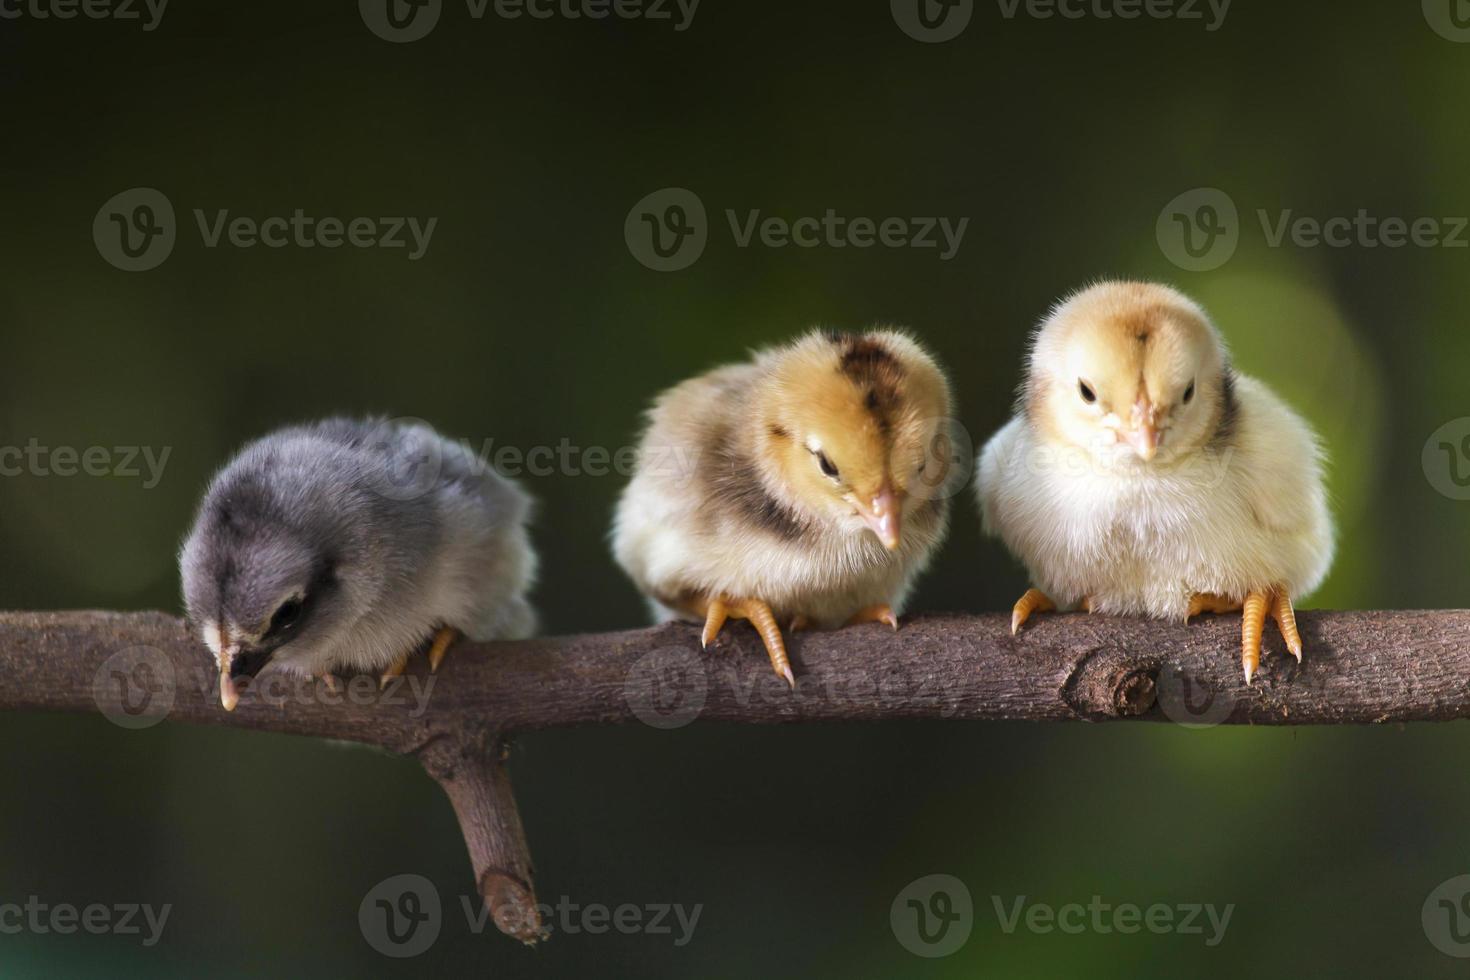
(1107, 684)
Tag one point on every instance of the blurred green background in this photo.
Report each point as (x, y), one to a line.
(528, 321)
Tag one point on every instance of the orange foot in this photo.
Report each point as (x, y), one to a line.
(442, 639)
(1033, 601)
(760, 616)
(881, 613)
(1257, 604)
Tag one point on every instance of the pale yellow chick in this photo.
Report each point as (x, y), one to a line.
(795, 488)
(1143, 475)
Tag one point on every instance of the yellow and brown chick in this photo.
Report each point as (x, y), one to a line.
(796, 488)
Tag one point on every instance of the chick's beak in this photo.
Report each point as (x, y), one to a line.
(234, 663)
(883, 514)
(1144, 440)
(229, 694)
(1143, 434)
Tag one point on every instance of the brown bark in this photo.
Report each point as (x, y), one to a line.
(138, 668)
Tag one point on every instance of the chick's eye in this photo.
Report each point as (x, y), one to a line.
(1085, 390)
(1189, 393)
(286, 616)
(826, 465)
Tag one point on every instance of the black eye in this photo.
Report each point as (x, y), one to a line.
(287, 616)
(1088, 395)
(1189, 393)
(826, 465)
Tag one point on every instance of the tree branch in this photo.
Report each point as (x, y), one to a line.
(139, 668)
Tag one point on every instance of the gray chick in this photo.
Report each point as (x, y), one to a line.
(347, 544)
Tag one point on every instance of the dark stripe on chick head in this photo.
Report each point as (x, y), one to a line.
(878, 373)
(1229, 423)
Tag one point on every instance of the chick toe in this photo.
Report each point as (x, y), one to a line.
(760, 616)
(715, 615)
(1033, 601)
(393, 670)
(1208, 602)
(1285, 616)
(1252, 625)
(442, 640)
(881, 613)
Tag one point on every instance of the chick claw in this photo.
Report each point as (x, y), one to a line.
(443, 638)
(1032, 602)
(1252, 625)
(440, 647)
(392, 671)
(1285, 617)
(881, 613)
(760, 616)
